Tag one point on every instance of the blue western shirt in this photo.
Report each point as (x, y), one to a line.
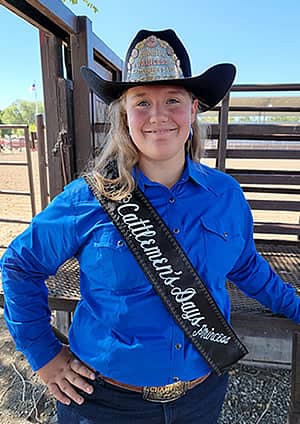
(120, 326)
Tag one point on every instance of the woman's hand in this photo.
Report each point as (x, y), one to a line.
(63, 374)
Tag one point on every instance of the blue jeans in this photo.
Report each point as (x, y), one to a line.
(111, 405)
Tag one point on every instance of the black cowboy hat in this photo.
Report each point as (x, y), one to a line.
(160, 58)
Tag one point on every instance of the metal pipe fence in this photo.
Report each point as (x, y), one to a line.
(28, 164)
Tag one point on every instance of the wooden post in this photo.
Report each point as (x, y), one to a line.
(30, 172)
(66, 124)
(51, 57)
(42, 160)
(222, 143)
(58, 112)
(82, 54)
(62, 321)
(32, 139)
(294, 410)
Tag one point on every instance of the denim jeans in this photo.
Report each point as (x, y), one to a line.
(111, 405)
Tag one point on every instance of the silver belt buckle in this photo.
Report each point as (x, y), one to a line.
(167, 393)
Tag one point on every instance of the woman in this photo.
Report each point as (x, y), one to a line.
(128, 360)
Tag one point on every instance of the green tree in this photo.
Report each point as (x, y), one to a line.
(12, 114)
(88, 3)
(21, 112)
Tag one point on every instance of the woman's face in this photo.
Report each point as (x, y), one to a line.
(159, 120)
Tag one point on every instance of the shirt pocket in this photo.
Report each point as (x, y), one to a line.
(223, 245)
(119, 269)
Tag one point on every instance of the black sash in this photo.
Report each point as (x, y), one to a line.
(173, 277)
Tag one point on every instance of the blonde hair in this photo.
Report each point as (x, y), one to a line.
(112, 167)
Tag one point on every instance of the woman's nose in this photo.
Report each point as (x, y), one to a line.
(158, 114)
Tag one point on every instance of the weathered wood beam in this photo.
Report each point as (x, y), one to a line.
(51, 16)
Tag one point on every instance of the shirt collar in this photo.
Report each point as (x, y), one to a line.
(192, 170)
(197, 173)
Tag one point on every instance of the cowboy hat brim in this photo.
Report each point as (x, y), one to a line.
(210, 87)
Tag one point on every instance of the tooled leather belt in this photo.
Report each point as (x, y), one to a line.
(160, 394)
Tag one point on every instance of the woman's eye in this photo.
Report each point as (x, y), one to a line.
(172, 101)
(143, 103)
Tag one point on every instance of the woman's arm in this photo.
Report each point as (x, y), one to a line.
(255, 277)
(35, 254)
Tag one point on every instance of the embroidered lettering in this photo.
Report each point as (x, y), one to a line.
(146, 233)
(159, 261)
(129, 205)
(147, 243)
(205, 333)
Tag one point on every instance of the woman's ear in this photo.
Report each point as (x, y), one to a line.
(126, 119)
(194, 109)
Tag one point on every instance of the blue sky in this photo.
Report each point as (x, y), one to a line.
(260, 36)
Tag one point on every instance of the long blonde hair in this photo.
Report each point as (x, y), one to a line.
(116, 182)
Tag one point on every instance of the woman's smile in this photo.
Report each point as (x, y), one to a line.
(160, 131)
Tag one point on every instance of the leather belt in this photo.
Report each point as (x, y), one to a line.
(161, 394)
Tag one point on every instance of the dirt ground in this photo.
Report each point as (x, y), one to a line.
(23, 398)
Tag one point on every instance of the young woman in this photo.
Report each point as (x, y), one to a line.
(129, 360)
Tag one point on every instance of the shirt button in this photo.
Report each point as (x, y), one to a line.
(176, 231)
(120, 243)
(172, 200)
(176, 379)
(178, 346)
(225, 234)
